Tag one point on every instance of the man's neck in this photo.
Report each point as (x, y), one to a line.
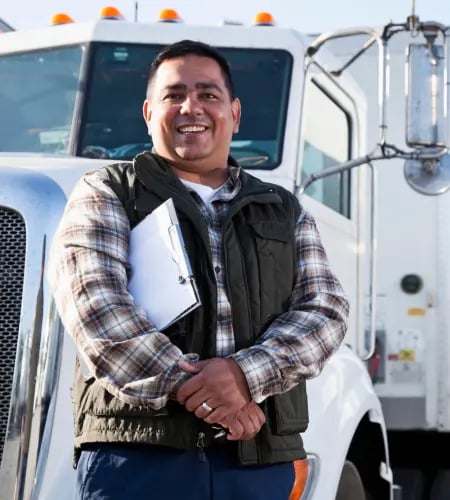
(213, 178)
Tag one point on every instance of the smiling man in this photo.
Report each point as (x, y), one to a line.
(213, 406)
(192, 114)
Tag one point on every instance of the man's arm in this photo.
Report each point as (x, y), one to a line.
(297, 344)
(88, 277)
(294, 347)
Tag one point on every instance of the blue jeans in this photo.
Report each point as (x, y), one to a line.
(115, 472)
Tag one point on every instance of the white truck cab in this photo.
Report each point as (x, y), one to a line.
(70, 100)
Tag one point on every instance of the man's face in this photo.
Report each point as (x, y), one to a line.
(190, 114)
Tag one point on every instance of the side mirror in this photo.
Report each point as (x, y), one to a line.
(430, 176)
(428, 169)
(425, 96)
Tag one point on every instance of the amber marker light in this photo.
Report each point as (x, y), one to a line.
(306, 477)
(61, 18)
(264, 19)
(169, 16)
(301, 468)
(110, 12)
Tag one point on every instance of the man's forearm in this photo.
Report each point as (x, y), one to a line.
(89, 280)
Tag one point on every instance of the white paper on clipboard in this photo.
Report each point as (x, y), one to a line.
(161, 277)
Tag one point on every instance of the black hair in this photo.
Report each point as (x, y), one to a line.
(185, 48)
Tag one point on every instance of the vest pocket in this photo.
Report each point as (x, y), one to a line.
(290, 411)
(274, 269)
(272, 230)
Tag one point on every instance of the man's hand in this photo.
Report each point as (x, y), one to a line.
(218, 382)
(245, 424)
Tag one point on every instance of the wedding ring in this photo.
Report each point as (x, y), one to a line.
(206, 407)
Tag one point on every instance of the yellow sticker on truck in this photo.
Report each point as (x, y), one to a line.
(407, 355)
(417, 311)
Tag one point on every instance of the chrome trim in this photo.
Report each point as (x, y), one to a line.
(47, 376)
(40, 201)
(383, 63)
(447, 81)
(313, 476)
(373, 282)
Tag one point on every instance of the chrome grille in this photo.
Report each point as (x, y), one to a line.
(12, 266)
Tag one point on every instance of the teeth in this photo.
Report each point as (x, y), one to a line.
(192, 128)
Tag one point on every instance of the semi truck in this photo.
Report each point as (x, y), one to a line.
(70, 100)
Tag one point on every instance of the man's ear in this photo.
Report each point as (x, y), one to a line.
(147, 111)
(236, 112)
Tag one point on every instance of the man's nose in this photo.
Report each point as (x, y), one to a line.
(191, 105)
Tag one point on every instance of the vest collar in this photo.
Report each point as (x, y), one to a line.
(156, 174)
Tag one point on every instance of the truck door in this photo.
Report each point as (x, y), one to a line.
(330, 137)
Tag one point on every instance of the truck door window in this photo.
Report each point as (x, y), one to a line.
(327, 142)
(37, 99)
(113, 127)
(262, 79)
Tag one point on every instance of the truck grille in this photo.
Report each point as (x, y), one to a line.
(12, 266)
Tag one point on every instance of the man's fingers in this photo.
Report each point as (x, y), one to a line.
(220, 414)
(203, 409)
(220, 382)
(223, 380)
(188, 367)
(189, 388)
(196, 399)
(193, 367)
(256, 414)
(235, 430)
(246, 423)
(242, 428)
(251, 425)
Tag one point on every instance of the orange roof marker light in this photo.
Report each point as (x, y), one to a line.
(169, 16)
(110, 12)
(264, 19)
(61, 18)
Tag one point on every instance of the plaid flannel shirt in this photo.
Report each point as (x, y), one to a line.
(88, 275)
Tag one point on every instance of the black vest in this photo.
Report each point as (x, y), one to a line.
(260, 264)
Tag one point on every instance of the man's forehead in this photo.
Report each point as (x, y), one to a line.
(188, 66)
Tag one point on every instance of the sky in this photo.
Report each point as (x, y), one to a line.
(311, 16)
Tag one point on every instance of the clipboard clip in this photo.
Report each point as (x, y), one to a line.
(179, 255)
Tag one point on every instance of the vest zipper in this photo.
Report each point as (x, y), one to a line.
(201, 446)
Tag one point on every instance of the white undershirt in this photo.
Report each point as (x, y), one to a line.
(205, 192)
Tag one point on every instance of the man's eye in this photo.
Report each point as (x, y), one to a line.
(173, 97)
(208, 96)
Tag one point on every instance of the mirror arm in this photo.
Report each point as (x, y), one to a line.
(335, 169)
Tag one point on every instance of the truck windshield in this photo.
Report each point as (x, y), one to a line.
(39, 111)
(37, 99)
(113, 127)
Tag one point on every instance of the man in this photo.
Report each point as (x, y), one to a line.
(151, 407)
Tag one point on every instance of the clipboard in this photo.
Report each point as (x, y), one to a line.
(161, 282)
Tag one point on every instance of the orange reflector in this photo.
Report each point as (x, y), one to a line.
(169, 16)
(301, 469)
(264, 19)
(110, 12)
(61, 18)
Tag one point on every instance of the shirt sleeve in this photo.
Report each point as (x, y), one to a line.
(88, 276)
(298, 342)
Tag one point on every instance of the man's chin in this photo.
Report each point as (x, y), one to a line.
(190, 155)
